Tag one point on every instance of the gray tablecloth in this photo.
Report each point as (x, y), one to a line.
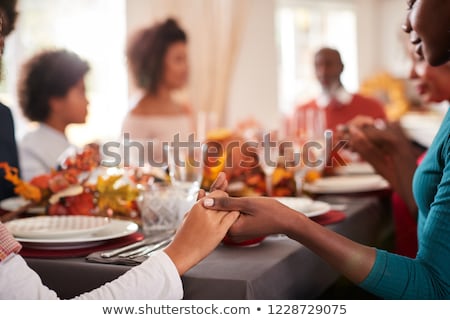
(279, 268)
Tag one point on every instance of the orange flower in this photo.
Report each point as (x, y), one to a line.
(81, 204)
(41, 181)
(22, 188)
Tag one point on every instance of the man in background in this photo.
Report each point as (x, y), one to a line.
(338, 105)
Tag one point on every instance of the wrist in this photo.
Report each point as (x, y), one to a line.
(294, 225)
(178, 259)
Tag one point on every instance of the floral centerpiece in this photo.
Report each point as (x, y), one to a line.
(80, 187)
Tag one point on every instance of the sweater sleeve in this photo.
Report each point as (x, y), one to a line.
(18, 281)
(156, 278)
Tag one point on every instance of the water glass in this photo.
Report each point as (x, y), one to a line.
(186, 167)
(163, 207)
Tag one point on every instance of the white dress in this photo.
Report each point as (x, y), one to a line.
(158, 127)
(153, 133)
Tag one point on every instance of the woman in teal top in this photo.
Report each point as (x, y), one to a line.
(385, 274)
(428, 275)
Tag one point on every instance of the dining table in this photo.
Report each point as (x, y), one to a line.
(276, 268)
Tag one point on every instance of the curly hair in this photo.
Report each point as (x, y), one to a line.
(9, 9)
(46, 75)
(146, 51)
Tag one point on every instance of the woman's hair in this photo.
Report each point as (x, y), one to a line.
(46, 75)
(9, 9)
(146, 51)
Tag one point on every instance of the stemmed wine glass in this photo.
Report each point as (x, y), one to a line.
(309, 137)
(294, 161)
(268, 154)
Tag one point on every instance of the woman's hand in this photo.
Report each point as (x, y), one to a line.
(202, 230)
(390, 152)
(363, 143)
(259, 216)
(263, 216)
(388, 138)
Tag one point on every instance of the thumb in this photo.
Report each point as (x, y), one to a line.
(224, 203)
(220, 183)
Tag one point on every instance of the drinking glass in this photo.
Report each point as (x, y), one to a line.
(163, 207)
(186, 167)
(309, 130)
(295, 162)
(268, 155)
(214, 163)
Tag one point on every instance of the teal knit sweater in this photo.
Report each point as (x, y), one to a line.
(428, 275)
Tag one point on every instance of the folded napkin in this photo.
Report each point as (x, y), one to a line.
(81, 252)
(332, 216)
(158, 241)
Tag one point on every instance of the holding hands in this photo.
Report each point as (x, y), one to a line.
(202, 230)
(260, 216)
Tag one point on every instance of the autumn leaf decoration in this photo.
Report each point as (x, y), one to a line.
(113, 197)
(25, 189)
(69, 192)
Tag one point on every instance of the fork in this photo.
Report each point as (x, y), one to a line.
(145, 251)
(139, 244)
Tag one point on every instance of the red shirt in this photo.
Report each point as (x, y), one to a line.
(337, 113)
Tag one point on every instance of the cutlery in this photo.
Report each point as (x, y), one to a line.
(139, 244)
(149, 249)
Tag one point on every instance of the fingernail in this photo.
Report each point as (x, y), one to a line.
(208, 202)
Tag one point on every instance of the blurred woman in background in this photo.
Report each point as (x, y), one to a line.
(158, 63)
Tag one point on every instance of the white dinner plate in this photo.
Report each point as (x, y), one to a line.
(56, 227)
(115, 229)
(347, 184)
(15, 203)
(422, 127)
(308, 207)
(354, 168)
